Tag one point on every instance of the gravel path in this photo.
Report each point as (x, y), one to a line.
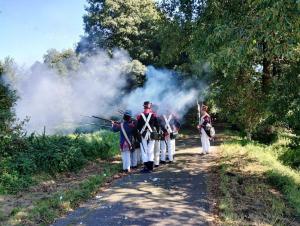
(175, 194)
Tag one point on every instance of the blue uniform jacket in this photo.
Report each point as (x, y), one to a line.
(130, 129)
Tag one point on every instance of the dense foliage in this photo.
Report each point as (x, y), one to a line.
(251, 47)
(63, 62)
(51, 155)
(130, 25)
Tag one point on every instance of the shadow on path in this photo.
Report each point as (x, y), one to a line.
(175, 194)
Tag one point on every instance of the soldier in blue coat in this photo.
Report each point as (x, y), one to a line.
(127, 129)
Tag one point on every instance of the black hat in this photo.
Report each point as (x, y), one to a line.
(147, 104)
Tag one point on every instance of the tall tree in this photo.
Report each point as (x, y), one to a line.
(247, 43)
(64, 61)
(176, 31)
(7, 101)
(130, 25)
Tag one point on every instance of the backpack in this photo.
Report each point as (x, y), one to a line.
(210, 130)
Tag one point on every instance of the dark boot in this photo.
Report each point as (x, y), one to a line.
(151, 164)
(146, 169)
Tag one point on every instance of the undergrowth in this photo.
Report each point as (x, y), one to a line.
(51, 155)
(249, 170)
(46, 210)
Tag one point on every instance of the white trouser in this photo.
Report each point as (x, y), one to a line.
(138, 156)
(205, 141)
(174, 146)
(133, 157)
(167, 145)
(147, 150)
(156, 152)
(126, 159)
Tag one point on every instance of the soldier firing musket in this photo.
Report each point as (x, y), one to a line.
(127, 129)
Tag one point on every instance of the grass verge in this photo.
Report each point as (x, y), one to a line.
(255, 187)
(53, 154)
(44, 211)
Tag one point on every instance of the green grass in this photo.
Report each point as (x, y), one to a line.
(259, 167)
(226, 202)
(50, 155)
(286, 179)
(46, 210)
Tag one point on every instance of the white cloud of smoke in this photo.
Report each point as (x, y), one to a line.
(165, 89)
(55, 101)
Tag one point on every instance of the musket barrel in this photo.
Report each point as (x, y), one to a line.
(104, 119)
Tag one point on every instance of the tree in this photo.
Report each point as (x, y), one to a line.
(7, 114)
(64, 61)
(285, 98)
(7, 96)
(135, 71)
(237, 37)
(175, 33)
(130, 25)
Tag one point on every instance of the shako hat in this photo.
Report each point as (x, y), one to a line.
(128, 113)
(147, 104)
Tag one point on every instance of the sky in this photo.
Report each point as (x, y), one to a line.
(28, 28)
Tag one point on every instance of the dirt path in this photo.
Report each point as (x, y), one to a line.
(174, 194)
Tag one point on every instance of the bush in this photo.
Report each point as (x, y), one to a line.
(51, 154)
(295, 142)
(54, 154)
(11, 183)
(291, 157)
(265, 134)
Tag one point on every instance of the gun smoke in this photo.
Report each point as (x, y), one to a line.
(58, 102)
(165, 89)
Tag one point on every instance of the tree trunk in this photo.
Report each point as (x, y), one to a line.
(266, 77)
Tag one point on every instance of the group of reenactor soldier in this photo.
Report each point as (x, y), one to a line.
(148, 139)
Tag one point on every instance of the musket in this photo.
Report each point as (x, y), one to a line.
(199, 111)
(101, 118)
(104, 119)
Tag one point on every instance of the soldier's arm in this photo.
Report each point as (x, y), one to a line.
(116, 127)
(139, 123)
